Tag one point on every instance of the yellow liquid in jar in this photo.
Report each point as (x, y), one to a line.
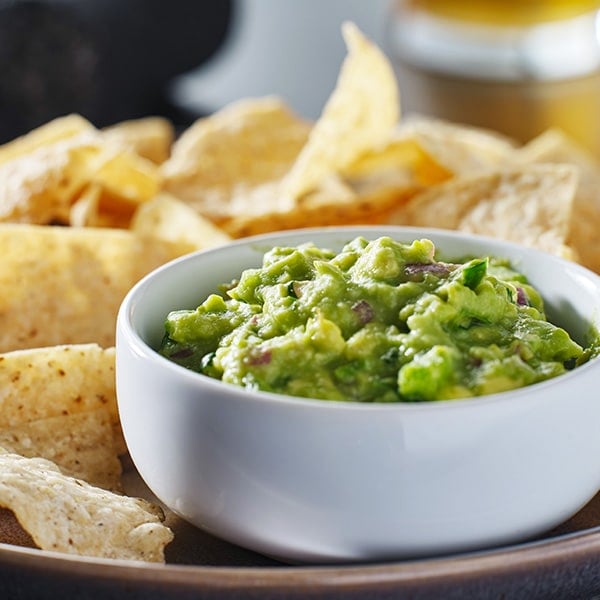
(516, 12)
(520, 110)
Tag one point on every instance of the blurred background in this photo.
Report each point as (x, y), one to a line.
(285, 47)
(517, 66)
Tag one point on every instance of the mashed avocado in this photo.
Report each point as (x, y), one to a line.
(380, 321)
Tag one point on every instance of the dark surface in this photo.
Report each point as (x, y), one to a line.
(108, 60)
(568, 569)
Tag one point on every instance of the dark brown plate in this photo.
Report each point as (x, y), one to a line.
(563, 564)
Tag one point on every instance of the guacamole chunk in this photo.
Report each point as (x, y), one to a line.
(380, 321)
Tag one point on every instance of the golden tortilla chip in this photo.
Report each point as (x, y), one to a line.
(64, 285)
(334, 202)
(42, 383)
(40, 181)
(358, 117)
(531, 206)
(403, 157)
(39, 187)
(85, 211)
(228, 154)
(95, 207)
(460, 150)
(554, 146)
(128, 177)
(80, 444)
(117, 185)
(429, 152)
(59, 129)
(249, 168)
(64, 514)
(148, 137)
(168, 218)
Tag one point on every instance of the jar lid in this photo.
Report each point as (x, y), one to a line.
(545, 51)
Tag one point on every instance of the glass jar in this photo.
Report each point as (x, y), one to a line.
(516, 66)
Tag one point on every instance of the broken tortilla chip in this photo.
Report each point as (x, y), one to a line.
(43, 173)
(64, 514)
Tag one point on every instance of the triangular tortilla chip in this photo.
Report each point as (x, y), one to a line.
(528, 205)
(224, 156)
(359, 115)
(554, 146)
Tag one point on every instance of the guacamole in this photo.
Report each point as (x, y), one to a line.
(380, 321)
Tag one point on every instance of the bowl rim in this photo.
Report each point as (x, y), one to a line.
(135, 340)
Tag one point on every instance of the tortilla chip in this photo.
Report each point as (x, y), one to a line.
(39, 187)
(427, 152)
(43, 176)
(358, 117)
(117, 185)
(42, 383)
(80, 444)
(249, 168)
(128, 177)
(460, 150)
(57, 130)
(531, 206)
(64, 285)
(404, 156)
(65, 514)
(334, 202)
(554, 146)
(148, 137)
(228, 154)
(84, 212)
(168, 218)
(95, 207)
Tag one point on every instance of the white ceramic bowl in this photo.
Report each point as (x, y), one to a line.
(311, 480)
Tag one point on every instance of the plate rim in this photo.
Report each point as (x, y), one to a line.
(504, 562)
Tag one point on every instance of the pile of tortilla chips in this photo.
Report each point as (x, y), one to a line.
(85, 213)
(253, 167)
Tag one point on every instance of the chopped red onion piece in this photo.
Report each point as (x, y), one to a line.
(364, 311)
